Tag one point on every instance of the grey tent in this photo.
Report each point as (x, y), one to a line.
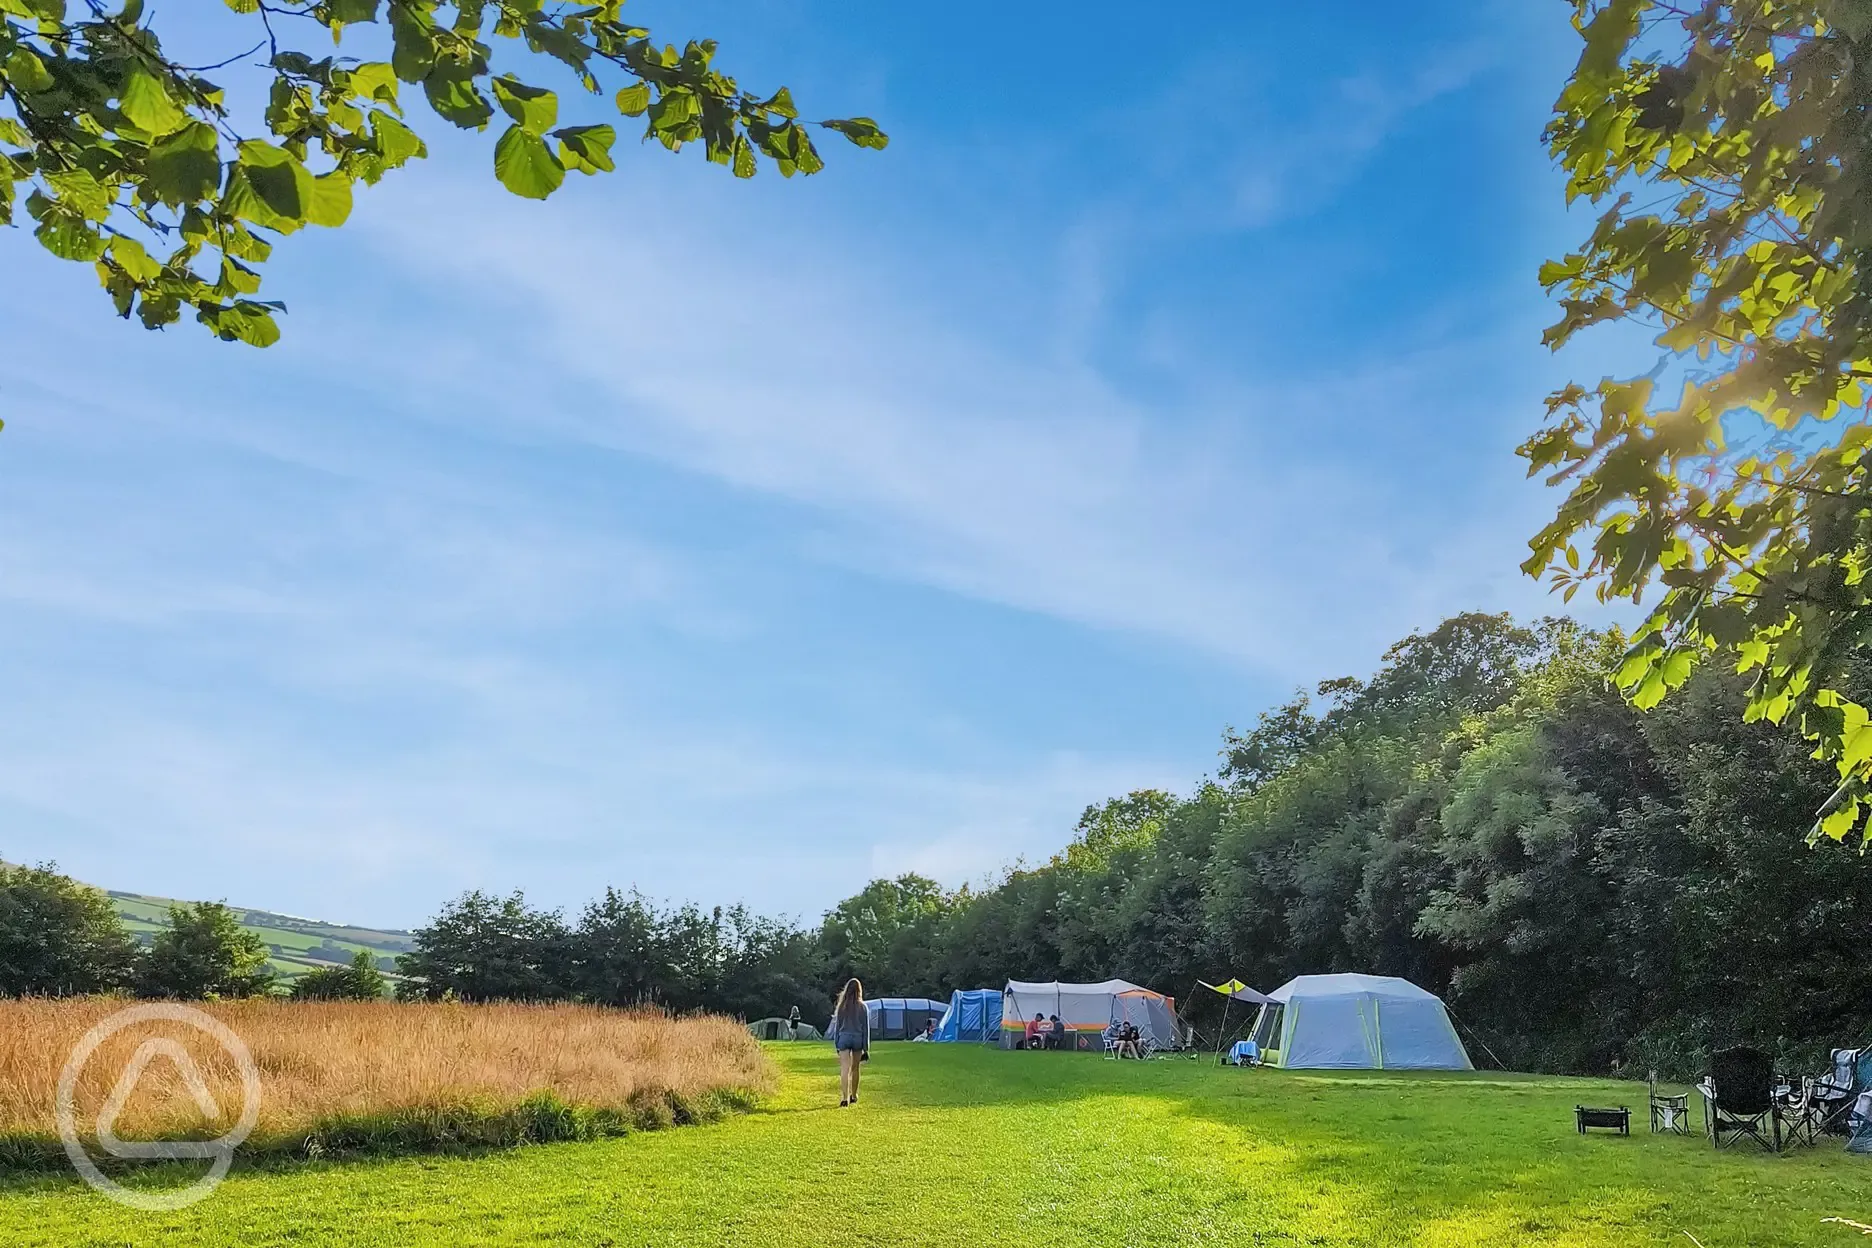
(1151, 1013)
(783, 1029)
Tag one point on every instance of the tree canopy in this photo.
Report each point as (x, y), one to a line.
(205, 952)
(146, 169)
(360, 981)
(59, 937)
(1727, 144)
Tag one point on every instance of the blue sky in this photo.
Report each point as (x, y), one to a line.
(742, 541)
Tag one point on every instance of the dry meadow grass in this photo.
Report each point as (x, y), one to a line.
(400, 1071)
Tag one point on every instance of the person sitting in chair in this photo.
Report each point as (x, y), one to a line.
(1056, 1033)
(1032, 1039)
(1128, 1041)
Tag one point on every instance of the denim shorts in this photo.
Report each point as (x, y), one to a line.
(849, 1041)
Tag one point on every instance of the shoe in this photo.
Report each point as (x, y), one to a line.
(843, 1104)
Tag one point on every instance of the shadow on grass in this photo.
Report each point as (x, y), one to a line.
(1431, 1156)
(1076, 1148)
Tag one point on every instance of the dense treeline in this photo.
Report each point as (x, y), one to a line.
(1588, 886)
(622, 950)
(61, 938)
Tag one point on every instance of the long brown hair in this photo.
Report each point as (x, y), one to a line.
(849, 1013)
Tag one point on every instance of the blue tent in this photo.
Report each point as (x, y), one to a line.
(973, 1017)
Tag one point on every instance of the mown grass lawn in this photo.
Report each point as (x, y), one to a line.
(963, 1146)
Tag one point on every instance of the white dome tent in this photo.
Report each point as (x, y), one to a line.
(1357, 1022)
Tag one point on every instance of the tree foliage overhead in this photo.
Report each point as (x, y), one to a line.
(1728, 146)
(141, 166)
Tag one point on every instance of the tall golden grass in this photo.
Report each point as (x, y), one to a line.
(351, 1071)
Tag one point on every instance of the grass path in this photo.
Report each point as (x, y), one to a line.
(960, 1146)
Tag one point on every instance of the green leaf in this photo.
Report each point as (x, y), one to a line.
(587, 148)
(633, 101)
(1650, 690)
(237, 278)
(26, 72)
(452, 93)
(185, 168)
(283, 185)
(350, 12)
(396, 142)
(79, 191)
(247, 322)
(525, 165)
(330, 204)
(413, 53)
(781, 104)
(69, 236)
(675, 112)
(375, 80)
(1842, 821)
(860, 130)
(145, 101)
(133, 259)
(534, 108)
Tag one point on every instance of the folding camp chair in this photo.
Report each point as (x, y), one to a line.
(1669, 1114)
(1739, 1098)
(1800, 1113)
(1835, 1091)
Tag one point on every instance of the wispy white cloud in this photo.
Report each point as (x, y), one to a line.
(984, 463)
(1301, 157)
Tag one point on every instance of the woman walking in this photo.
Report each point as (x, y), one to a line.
(851, 1036)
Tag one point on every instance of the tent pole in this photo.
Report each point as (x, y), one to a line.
(1222, 1029)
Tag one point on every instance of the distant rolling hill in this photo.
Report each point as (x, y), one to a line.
(295, 945)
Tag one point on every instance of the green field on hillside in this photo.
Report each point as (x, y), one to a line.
(294, 945)
(963, 1146)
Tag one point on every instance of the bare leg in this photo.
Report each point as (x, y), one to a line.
(857, 1066)
(846, 1061)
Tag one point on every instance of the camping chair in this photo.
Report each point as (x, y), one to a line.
(1801, 1113)
(1739, 1098)
(1835, 1091)
(1669, 1114)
